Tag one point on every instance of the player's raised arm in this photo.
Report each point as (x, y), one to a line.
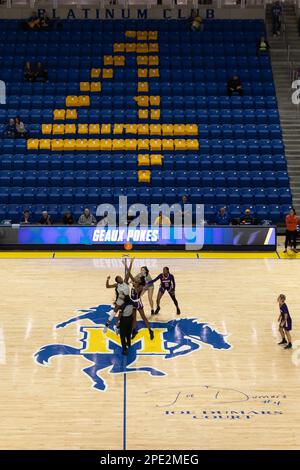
(108, 285)
(128, 274)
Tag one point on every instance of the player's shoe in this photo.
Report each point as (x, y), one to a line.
(125, 352)
(152, 312)
(151, 334)
(283, 341)
(288, 346)
(157, 311)
(106, 327)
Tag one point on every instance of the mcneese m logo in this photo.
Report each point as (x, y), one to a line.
(103, 351)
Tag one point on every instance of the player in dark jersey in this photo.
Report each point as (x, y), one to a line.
(285, 323)
(167, 284)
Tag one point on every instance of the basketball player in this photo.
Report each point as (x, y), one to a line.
(124, 323)
(148, 286)
(167, 284)
(285, 323)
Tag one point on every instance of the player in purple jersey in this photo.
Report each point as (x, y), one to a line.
(285, 323)
(167, 284)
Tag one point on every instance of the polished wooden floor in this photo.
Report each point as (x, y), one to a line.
(244, 397)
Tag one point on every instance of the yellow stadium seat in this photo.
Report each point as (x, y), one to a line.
(142, 60)
(155, 100)
(142, 101)
(83, 100)
(143, 144)
(155, 144)
(155, 114)
(156, 159)
(167, 129)
(81, 144)
(45, 144)
(118, 128)
(180, 144)
(143, 160)
(153, 73)
(94, 144)
(118, 144)
(46, 128)
(94, 129)
(95, 86)
(167, 144)
(130, 144)
(83, 128)
(119, 47)
(142, 73)
(191, 129)
(142, 48)
(107, 73)
(143, 87)
(59, 114)
(119, 61)
(152, 35)
(70, 128)
(69, 144)
(142, 35)
(130, 47)
(105, 144)
(143, 129)
(155, 129)
(71, 100)
(108, 60)
(179, 129)
(192, 144)
(33, 144)
(130, 34)
(57, 144)
(84, 86)
(144, 176)
(131, 128)
(95, 73)
(71, 114)
(105, 129)
(58, 129)
(153, 60)
(143, 113)
(153, 47)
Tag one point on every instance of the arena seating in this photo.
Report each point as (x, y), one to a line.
(140, 109)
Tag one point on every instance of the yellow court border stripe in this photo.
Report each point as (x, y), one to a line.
(288, 255)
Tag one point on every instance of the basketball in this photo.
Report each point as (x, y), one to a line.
(128, 246)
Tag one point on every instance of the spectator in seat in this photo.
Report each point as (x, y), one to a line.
(33, 22)
(44, 21)
(68, 218)
(222, 217)
(162, 220)
(196, 23)
(247, 218)
(87, 218)
(10, 129)
(41, 72)
(234, 85)
(21, 131)
(262, 46)
(26, 219)
(291, 222)
(29, 74)
(276, 14)
(45, 219)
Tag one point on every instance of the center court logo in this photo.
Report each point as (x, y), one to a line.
(103, 351)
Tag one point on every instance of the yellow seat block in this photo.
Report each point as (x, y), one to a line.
(119, 47)
(108, 60)
(58, 129)
(153, 60)
(71, 100)
(142, 60)
(168, 144)
(106, 144)
(83, 129)
(118, 144)
(130, 144)
(142, 101)
(119, 61)
(156, 159)
(118, 128)
(57, 144)
(71, 114)
(143, 129)
(130, 47)
(70, 128)
(84, 86)
(46, 128)
(155, 129)
(83, 100)
(155, 144)
(143, 87)
(192, 144)
(144, 176)
(153, 47)
(167, 129)
(143, 144)
(94, 144)
(59, 114)
(95, 86)
(142, 35)
(95, 73)
(105, 129)
(81, 144)
(180, 144)
(131, 128)
(143, 113)
(94, 129)
(153, 73)
(142, 48)
(45, 144)
(179, 129)
(142, 73)
(69, 144)
(130, 34)
(143, 160)
(152, 35)
(33, 144)
(191, 129)
(107, 73)
(155, 113)
(155, 100)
